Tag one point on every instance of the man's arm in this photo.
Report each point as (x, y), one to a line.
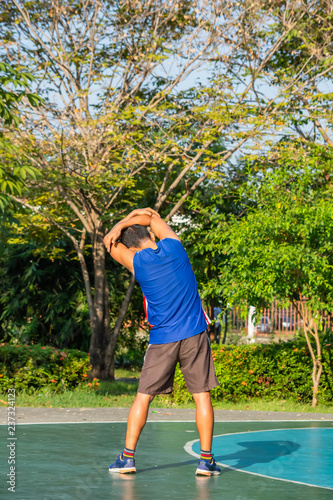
(146, 217)
(143, 217)
(141, 211)
(162, 229)
(117, 250)
(123, 255)
(114, 234)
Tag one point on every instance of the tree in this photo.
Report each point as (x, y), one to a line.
(90, 146)
(282, 249)
(42, 296)
(115, 120)
(296, 153)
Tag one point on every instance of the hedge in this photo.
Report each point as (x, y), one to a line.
(32, 367)
(277, 370)
(269, 371)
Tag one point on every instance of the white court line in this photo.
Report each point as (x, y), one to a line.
(171, 421)
(189, 444)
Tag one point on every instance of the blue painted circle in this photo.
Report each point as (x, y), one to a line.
(301, 455)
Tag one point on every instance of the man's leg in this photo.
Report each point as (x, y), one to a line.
(137, 418)
(204, 419)
(205, 423)
(125, 463)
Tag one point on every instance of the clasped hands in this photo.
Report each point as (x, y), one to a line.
(115, 232)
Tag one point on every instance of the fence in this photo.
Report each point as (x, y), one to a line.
(275, 320)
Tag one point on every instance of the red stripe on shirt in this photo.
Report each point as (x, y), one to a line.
(145, 305)
(207, 318)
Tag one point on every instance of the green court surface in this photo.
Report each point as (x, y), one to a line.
(70, 461)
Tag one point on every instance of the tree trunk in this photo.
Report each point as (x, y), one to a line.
(317, 366)
(102, 342)
(210, 305)
(225, 327)
(100, 326)
(110, 350)
(317, 370)
(311, 327)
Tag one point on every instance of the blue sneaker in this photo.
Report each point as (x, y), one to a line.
(123, 466)
(206, 468)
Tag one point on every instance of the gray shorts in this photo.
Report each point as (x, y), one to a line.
(195, 360)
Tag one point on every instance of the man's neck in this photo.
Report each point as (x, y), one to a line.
(148, 244)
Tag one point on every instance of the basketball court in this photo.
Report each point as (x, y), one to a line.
(261, 460)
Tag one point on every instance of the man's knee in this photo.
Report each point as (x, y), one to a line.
(202, 397)
(144, 398)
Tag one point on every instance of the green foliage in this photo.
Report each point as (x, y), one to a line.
(14, 86)
(110, 129)
(281, 248)
(202, 216)
(131, 348)
(14, 169)
(270, 372)
(42, 296)
(35, 367)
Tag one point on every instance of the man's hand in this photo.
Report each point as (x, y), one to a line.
(109, 239)
(118, 251)
(112, 236)
(142, 211)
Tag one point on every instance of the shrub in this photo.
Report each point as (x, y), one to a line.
(270, 371)
(130, 349)
(249, 371)
(33, 367)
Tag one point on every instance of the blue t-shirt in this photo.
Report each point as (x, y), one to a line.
(170, 290)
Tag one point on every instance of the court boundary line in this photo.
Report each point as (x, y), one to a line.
(168, 421)
(189, 444)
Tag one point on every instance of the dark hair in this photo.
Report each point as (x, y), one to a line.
(132, 236)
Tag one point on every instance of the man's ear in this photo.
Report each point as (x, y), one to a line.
(152, 235)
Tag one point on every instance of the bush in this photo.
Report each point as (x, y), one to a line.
(265, 371)
(245, 372)
(33, 367)
(130, 349)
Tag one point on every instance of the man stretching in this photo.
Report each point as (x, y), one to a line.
(178, 328)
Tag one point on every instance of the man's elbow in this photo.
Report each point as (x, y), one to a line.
(106, 244)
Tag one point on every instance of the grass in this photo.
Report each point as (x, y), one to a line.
(122, 373)
(122, 393)
(118, 395)
(274, 405)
